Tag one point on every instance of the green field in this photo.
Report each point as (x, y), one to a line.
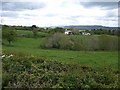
(32, 66)
(90, 58)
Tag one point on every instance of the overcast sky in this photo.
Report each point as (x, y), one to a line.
(59, 12)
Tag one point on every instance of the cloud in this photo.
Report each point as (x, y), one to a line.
(112, 13)
(9, 14)
(103, 5)
(20, 6)
(51, 15)
(60, 12)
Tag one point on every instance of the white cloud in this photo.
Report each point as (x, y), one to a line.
(59, 0)
(63, 12)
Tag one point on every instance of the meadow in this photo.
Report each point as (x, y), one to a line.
(90, 58)
(32, 66)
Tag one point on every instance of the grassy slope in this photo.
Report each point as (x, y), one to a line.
(95, 59)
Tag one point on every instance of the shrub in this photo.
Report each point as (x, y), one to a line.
(107, 42)
(36, 72)
(61, 41)
(91, 43)
(57, 40)
(8, 34)
(74, 42)
(77, 43)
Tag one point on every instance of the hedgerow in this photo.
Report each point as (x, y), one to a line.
(37, 72)
(79, 43)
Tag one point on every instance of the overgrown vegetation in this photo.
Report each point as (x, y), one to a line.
(104, 31)
(8, 34)
(74, 42)
(27, 71)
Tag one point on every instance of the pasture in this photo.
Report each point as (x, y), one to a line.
(32, 66)
(90, 58)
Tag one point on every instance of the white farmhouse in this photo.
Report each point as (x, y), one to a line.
(68, 32)
(84, 33)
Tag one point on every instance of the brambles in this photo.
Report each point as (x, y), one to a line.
(35, 72)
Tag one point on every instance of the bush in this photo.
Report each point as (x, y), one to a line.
(36, 72)
(107, 42)
(61, 41)
(91, 43)
(57, 40)
(77, 43)
(8, 34)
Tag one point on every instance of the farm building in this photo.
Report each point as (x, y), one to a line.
(85, 33)
(68, 32)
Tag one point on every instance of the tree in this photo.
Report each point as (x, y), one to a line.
(75, 32)
(34, 30)
(8, 33)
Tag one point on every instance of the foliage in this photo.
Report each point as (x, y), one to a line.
(87, 43)
(34, 30)
(58, 40)
(108, 42)
(28, 71)
(8, 33)
(28, 34)
(56, 30)
(92, 58)
(75, 32)
(104, 31)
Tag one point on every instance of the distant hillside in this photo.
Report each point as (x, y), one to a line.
(89, 27)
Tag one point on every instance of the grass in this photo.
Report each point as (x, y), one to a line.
(30, 33)
(39, 71)
(90, 58)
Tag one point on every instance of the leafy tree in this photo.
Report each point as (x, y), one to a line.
(55, 30)
(8, 33)
(75, 32)
(34, 30)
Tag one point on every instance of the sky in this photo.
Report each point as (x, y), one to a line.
(59, 12)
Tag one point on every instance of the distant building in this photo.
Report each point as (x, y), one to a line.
(45, 28)
(68, 32)
(85, 33)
